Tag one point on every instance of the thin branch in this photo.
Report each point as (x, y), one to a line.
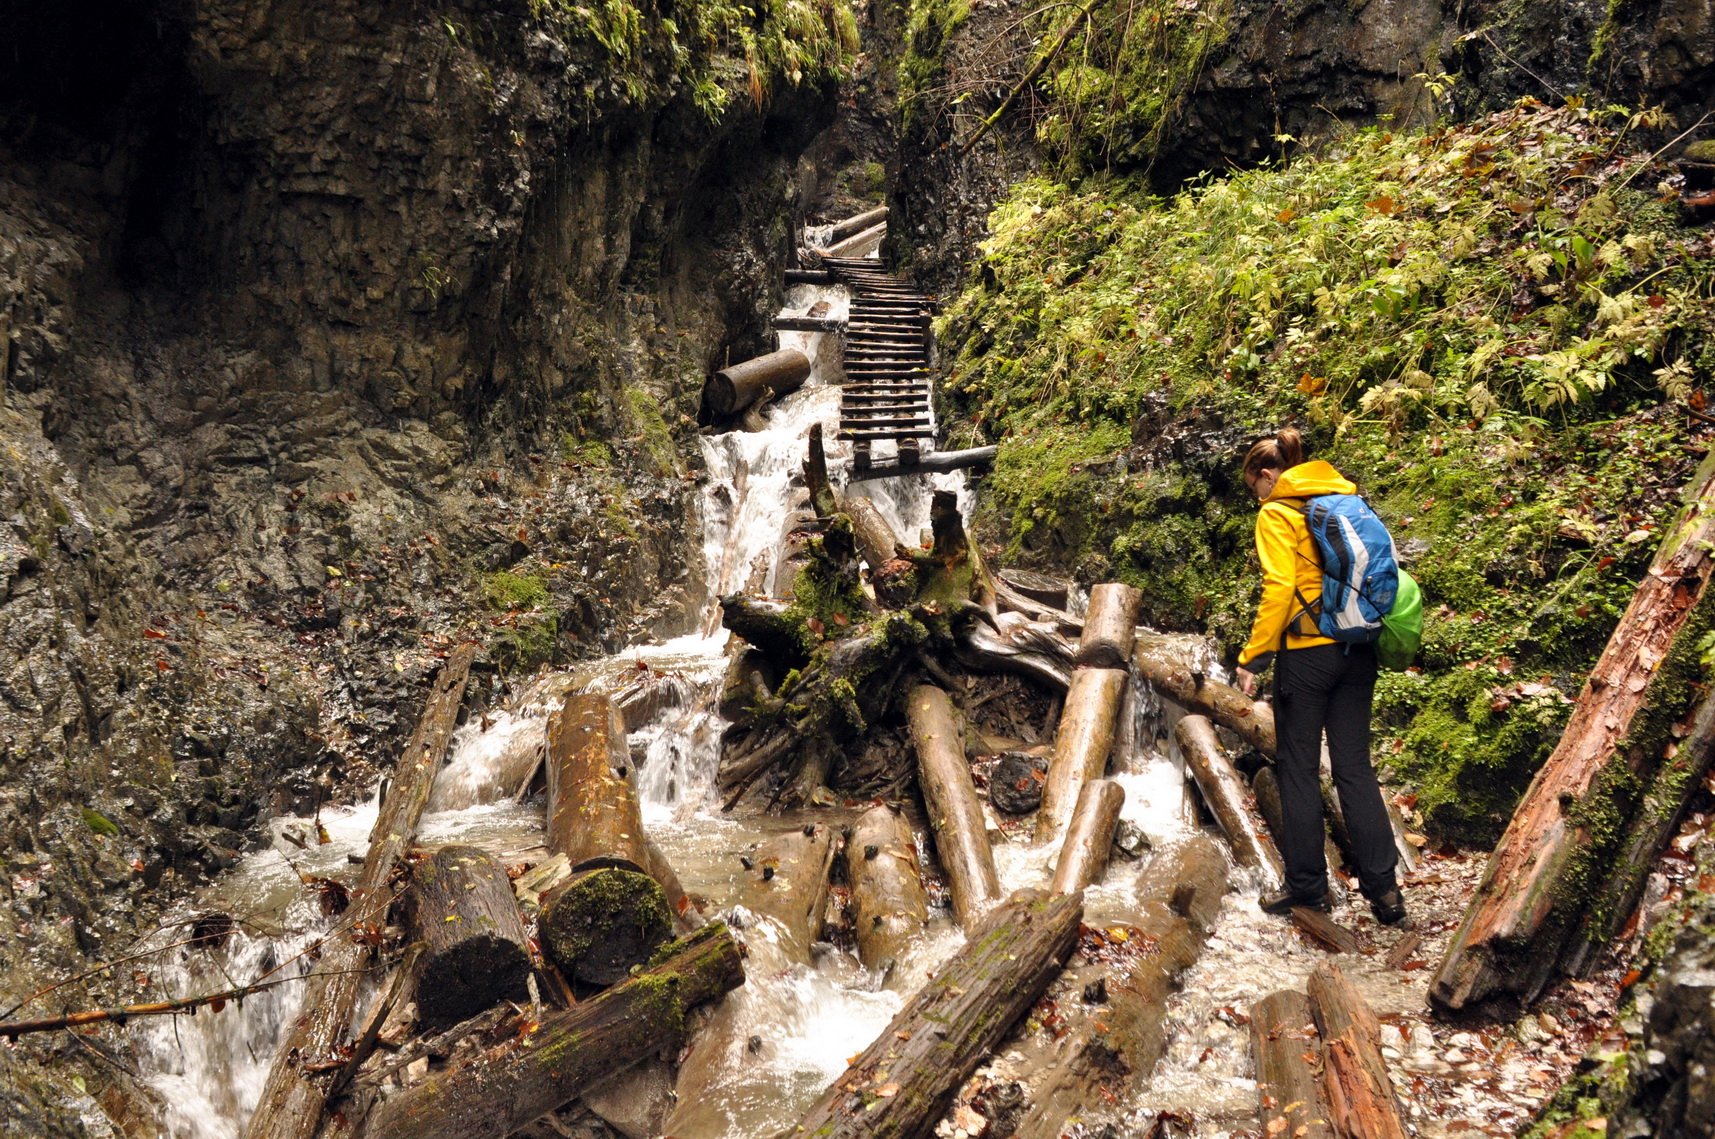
(1030, 77)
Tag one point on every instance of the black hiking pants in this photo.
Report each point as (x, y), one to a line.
(1329, 688)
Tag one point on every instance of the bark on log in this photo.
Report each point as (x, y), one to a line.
(748, 689)
(1162, 662)
(823, 500)
(1084, 855)
(1227, 796)
(889, 907)
(857, 223)
(876, 541)
(933, 462)
(512, 1083)
(1355, 1082)
(900, 1085)
(856, 244)
(1018, 645)
(1081, 746)
(1513, 933)
(1288, 1054)
(687, 915)
(292, 1101)
(955, 813)
(1108, 1055)
(730, 390)
(953, 570)
(463, 910)
(1325, 931)
(1110, 626)
(788, 883)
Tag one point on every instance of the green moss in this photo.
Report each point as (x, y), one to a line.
(99, 823)
(929, 25)
(585, 452)
(506, 590)
(654, 436)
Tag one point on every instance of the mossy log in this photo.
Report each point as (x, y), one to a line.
(785, 885)
(1081, 745)
(1355, 1083)
(1084, 854)
(774, 627)
(532, 1072)
(955, 812)
(1110, 626)
(899, 1086)
(1227, 796)
(889, 906)
(463, 910)
(953, 570)
(823, 500)
(296, 1092)
(602, 922)
(1287, 1052)
(1114, 1048)
(1163, 662)
(1577, 809)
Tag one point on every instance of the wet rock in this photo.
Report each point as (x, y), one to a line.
(1015, 782)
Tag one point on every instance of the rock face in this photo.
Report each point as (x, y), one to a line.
(331, 333)
(1674, 1094)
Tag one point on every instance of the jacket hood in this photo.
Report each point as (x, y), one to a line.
(1312, 478)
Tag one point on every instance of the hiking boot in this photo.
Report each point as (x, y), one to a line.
(1285, 901)
(1389, 908)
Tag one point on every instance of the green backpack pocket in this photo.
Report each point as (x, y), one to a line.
(1402, 628)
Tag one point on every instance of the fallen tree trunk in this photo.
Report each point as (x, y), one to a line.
(935, 462)
(1227, 796)
(1110, 626)
(474, 957)
(1016, 644)
(730, 390)
(1513, 933)
(904, 1082)
(1081, 746)
(292, 1101)
(889, 907)
(1288, 1055)
(530, 1073)
(857, 223)
(877, 543)
(1106, 1057)
(955, 813)
(785, 885)
(1084, 855)
(1355, 1082)
(1162, 662)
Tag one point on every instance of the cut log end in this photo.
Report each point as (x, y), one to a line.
(601, 924)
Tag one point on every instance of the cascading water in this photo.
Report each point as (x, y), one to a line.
(209, 1069)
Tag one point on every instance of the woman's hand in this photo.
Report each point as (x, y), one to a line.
(1247, 681)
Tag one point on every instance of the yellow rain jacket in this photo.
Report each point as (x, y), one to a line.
(1289, 562)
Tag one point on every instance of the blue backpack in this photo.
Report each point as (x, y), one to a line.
(1360, 572)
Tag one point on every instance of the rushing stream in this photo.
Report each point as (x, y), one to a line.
(209, 1069)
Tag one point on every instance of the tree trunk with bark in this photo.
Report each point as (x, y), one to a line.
(569, 1050)
(1536, 885)
(955, 812)
(736, 387)
(1163, 662)
(1227, 796)
(295, 1095)
(903, 1083)
(1110, 626)
(953, 570)
(889, 906)
(1106, 1057)
(463, 910)
(1081, 746)
(1355, 1082)
(1288, 1054)
(1084, 854)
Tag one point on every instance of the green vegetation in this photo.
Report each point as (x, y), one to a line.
(507, 591)
(1486, 326)
(654, 437)
(644, 54)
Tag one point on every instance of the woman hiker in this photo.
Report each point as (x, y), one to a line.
(1320, 685)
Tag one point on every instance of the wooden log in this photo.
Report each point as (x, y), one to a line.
(857, 223)
(810, 277)
(771, 626)
(889, 906)
(935, 462)
(1162, 662)
(295, 1094)
(953, 570)
(530, 1073)
(823, 324)
(463, 910)
(1288, 1055)
(1016, 644)
(1110, 626)
(1084, 855)
(612, 915)
(856, 244)
(1512, 936)
(823, 500)
(1227, 796)
(1081, 746)
(904, 1082)
(1325, 931)
(1355, 1082)
(593, 815)
(955, 813)
(1108, 1054)
(877, 543)
(748, 688)
(687, 915)
(732, 389)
